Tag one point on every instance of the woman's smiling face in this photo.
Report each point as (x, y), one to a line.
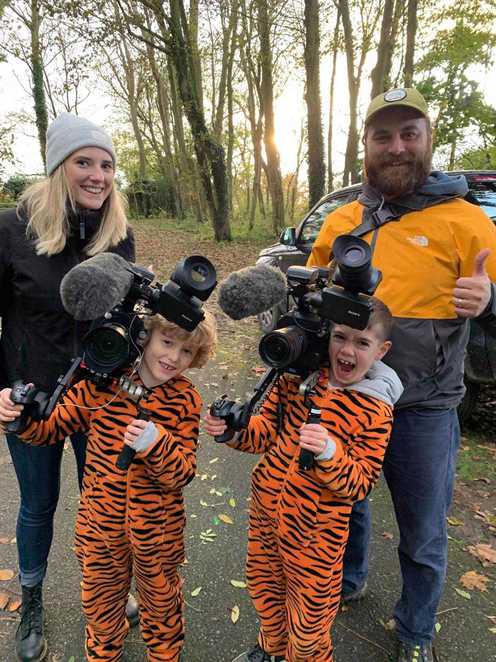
(90, 174)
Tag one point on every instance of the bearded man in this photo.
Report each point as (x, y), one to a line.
(435, 251)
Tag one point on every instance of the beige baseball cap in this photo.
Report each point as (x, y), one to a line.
(399, 96)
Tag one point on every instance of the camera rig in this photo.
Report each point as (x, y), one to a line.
(113, 342)
(299, 345)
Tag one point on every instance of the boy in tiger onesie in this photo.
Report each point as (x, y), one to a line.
(299, 519)
(131, 522)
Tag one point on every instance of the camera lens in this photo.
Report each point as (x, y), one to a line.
(354, 256)
(106, 348)
(196, 275)
(354, 259)
(282, 347)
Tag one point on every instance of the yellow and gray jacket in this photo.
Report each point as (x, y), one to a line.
(432, 241)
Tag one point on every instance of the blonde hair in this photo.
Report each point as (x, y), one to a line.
(203, 339)
(46, 205)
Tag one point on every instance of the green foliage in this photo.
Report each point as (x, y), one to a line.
(445, 74)
(15, 185)
(6, 153)
(149, 197)
(477, 159)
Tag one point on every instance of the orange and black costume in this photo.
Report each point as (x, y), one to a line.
(299, 520)
(130, 523)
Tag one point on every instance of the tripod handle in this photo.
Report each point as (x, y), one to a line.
(307, 458)
(126, 456)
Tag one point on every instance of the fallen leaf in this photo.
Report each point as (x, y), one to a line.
(390, 625)
(14, 604)
(215, 459)
(238, 584)
(464, 594)
(437, 627)
(196, 591)
(387, 535)
(232, 502)
(235, 614)
(453, 521)
(485, 553)
(226, 519)
(6, 575)
(473, 580)
(4, 600)
(203, 503)
(204, 477)
(4, 541)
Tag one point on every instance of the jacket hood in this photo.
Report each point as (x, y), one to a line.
(439, 183)
(380, 382)
(437, 188)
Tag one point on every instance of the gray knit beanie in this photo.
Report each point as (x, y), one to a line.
(68, 133)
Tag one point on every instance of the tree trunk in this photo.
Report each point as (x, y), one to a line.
(379, 73)
(168, 166)
(274, 179)
(209, 152)
(316, 166)
(330, 136)
(350, 161)
(40, 107)
(411, 31)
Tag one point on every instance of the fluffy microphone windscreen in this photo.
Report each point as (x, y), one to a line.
(251, 290)
(95, 286)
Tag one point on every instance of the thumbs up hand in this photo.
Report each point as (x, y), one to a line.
(472, 293)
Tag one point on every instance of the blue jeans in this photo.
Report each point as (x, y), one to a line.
(419, 468)
(38, 474)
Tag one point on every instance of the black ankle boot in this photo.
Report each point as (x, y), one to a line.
(31, 645)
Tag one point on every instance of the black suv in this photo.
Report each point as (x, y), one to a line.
(295, 245)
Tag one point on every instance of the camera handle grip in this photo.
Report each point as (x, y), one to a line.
(306, 459)
(21, 394)
(225, 436)
(17, 426)
(126, 456)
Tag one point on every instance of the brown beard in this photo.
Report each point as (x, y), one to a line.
(396, 181)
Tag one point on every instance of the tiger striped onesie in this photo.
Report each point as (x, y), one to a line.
(130, 523)
(299, 519)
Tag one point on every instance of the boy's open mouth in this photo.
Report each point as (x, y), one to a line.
(345, 366)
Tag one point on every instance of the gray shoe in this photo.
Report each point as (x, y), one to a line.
(354, 596)
(415, 652)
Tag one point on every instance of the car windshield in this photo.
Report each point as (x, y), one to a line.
(314, 222)
(487, 201)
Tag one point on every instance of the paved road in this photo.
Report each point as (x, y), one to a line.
(211, 636)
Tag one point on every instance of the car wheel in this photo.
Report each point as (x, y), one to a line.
(467, 405)
(268, 319)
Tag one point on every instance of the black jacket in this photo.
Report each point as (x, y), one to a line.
(38, 338)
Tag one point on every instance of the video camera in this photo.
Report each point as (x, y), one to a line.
(300, 343)
(114, 340)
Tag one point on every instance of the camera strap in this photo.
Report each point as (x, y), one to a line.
(373, 221)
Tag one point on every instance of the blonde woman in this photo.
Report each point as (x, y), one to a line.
(74, 213)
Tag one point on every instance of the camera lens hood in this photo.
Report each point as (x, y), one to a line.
(197, 275)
